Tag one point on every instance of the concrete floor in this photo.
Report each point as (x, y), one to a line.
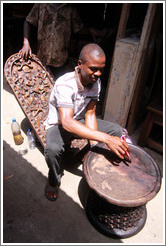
(28, 217)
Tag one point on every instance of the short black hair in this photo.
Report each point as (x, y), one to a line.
(90, 49)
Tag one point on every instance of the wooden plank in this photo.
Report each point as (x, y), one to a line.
(126, 69)
(142, 64)
(155, 145)
(123, 20)
(121, 83)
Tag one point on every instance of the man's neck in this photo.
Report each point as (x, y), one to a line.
(84, 83)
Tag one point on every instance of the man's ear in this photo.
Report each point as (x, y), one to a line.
(79, 62)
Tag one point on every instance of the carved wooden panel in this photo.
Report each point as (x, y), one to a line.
(31, 84)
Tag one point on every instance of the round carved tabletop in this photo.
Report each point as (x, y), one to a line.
(119, 182)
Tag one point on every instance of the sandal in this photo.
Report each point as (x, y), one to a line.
(51, 192)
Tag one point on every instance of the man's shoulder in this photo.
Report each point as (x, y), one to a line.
(67, 77)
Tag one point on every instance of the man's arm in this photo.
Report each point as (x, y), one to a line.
(90, 118)
(117, 145)
(26, 51)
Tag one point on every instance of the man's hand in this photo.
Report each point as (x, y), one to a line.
(26, 51)
(117, 145)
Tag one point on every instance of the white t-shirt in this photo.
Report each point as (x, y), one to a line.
(68, 92)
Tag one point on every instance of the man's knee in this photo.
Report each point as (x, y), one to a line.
(53, 149)
(119, 130)
(116, 129)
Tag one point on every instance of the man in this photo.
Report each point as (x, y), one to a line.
(72, 107)
(55, 22)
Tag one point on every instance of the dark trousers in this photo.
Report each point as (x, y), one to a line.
(57, 139)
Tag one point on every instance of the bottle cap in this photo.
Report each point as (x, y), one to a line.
(13, 119)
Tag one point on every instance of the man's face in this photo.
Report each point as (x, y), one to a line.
(91, 70)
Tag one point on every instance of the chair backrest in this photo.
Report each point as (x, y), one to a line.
(31, 84)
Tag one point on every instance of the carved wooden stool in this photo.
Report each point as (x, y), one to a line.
(116, 204)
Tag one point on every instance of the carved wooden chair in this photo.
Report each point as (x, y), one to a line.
(31, 84)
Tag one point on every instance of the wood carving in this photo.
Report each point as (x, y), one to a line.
(31, 84)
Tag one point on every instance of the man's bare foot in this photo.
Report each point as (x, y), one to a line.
(51, 192)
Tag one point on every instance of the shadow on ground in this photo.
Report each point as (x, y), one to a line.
(30, 218)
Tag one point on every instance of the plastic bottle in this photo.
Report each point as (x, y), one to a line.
(16, 130)
(126, 136)
(31, 139)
